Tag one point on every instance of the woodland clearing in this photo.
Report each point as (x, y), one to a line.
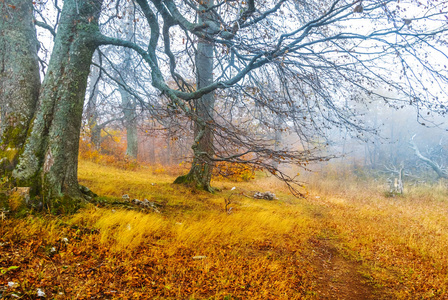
(346, 240)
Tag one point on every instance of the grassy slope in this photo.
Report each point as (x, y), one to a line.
(402, 241)
(263, 250)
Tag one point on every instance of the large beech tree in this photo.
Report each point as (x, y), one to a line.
(49, 158)
(289, 60)
(203, 149)
(19, 78)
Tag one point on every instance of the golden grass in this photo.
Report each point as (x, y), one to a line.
(15, 200)
(121, 230)
(264, 249)
(202, 221)
(114, 182)
(193, 249)
(403, 240)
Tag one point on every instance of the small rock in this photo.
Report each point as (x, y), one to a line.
(12, 284)
(266, 195)
(125, 197)
(199, 257)
(40, 293)
(84, 189)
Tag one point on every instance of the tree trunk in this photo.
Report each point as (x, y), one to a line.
(128, 103)
(130, 122)
(50, 159)
(19, 78)
(277, 137)
(201, 169)
(92, 111)
(151, 148)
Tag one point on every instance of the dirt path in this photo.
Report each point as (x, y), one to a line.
(339, 278)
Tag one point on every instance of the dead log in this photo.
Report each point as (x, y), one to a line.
(441, 173)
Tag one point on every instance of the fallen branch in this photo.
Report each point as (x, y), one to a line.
(441, 173)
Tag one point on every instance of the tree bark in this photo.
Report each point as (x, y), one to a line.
(130, 122)
(92, 110)
(19, 78)
(201, 169)
(152, 153)
(277, 138)
(50, 159)
(128, 103)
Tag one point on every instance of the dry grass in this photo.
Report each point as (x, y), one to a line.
(193, 249)
(401, 240)
(118, 251)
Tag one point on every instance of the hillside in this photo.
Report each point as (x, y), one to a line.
(346, 240)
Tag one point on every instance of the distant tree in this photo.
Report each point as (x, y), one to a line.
(128, 102)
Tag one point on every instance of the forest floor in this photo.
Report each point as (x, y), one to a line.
(345, 240)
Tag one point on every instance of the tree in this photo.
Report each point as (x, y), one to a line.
(19, 79)
(130, 119)
(299, 69)
(91, 111)
(49, 158)
(128, 103)
(201, 169)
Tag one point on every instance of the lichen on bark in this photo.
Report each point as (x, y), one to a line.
(19, 78)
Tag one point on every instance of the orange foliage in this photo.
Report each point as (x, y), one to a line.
(234, 172)
(111, 152)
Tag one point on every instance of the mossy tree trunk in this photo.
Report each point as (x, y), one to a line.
(19, 78)
(50, 158)
(201, 169)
